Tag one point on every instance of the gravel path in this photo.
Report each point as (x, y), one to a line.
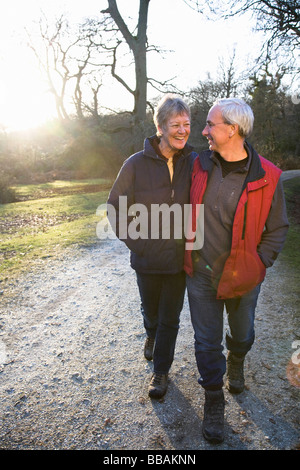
(73, 375)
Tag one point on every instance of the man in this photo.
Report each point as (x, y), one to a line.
(157, 177)
(245, 226)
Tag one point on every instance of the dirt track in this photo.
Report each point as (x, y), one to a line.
(73, 375)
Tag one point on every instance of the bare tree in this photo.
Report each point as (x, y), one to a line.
(68, 58)
(110, 34)
(206, 92)
(65, 59)
(49, 58)
(229, 81)
(93, 108)
(278, 19)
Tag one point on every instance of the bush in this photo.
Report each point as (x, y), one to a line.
(7, 194)
(289, 163)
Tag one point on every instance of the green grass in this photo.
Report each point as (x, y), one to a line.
(54, 188)
(41, 227)
(54, 216)
(291, 252)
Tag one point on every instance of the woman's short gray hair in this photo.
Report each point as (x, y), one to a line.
(169, 106)
(237, 111)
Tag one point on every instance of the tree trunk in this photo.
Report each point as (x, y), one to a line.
(138, 46)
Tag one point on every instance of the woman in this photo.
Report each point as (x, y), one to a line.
(157, 177)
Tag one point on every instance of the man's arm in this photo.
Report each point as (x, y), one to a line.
(276, 229)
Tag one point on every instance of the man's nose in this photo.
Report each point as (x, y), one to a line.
(205, 130)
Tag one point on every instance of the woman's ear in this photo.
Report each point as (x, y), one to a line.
(159, 132)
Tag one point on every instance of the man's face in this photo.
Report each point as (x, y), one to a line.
(216, 130)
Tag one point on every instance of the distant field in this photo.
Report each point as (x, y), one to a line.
(58, 188)
(48, 218)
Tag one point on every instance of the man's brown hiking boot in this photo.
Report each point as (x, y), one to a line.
(213, 421)
(148, 348)
(235, 382)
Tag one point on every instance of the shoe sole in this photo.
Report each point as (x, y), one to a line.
(234, 390)
(213, 440)
(157, 395)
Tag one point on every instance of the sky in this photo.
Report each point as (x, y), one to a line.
(195, 46)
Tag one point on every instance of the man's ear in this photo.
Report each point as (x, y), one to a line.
(234, 129)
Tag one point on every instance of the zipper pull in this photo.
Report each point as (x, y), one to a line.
(172, 194)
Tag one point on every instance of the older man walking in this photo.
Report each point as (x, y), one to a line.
(245, 226)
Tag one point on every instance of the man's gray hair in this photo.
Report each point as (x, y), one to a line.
(237, 111)
(169, 106)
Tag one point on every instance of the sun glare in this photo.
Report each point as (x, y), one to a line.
(24, 104)
(24, 99)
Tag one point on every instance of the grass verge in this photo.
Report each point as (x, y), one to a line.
(291, 253)
(49, 219)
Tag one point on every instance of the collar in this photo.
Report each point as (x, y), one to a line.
(153, 143)
(254, 167)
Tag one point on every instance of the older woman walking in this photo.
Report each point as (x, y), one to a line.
(157, 177)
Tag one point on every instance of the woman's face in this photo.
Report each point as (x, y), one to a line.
(175, 134)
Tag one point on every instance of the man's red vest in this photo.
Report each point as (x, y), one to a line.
(243, 269)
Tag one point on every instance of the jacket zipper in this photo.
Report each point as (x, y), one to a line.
(244, 223)
(172, 188)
